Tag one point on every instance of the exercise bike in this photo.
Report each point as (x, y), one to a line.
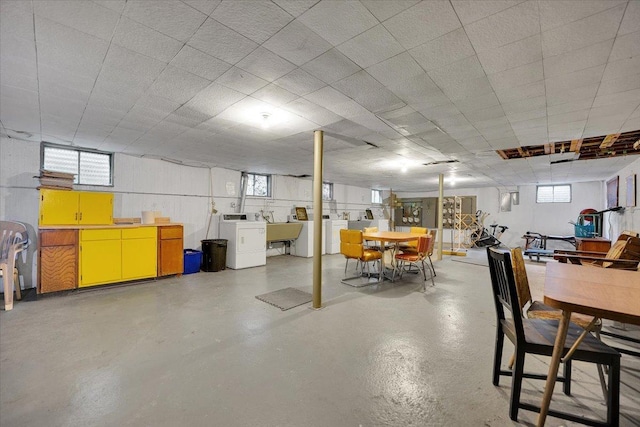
(481, 237)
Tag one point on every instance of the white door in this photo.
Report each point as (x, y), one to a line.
(251, 239)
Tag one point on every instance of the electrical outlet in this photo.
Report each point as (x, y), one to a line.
(233, 204)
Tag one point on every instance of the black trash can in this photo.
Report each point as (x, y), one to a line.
(214, 254)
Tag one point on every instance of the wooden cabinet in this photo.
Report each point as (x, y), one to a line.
(170, 250)
(58, 260)
(139, 253)
(59, 207)
(593, 244)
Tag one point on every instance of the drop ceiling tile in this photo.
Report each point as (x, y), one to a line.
(554, 13)
(241, 81)
(573, 116)
(469, 104)
(532, 90)
(299, 82)
(573, 105)
(460, 71)
(400, 67)
(444, 50)
(274, 95)
(622, 84)
(18, 70)
(617, 98)
(527, 115)
(574, 80)
(199, 63)
(631, 19)
(173, 18)
(265, 64)
(502, 143)
(588, 91)
(423, 22)
(311, 111)
(603, 125)
(177, 85)
(222, 42)
(86, 17)
(419, 90)
(16, 19)
(510, 25)
(467, 88)
(295, 7)
(470, 10)
(631, 124)
(585, 32)
(518, 76)
(255, 20)
(385, 9)
(129, 70)
(338, 21)
(624, 109)
(621, 68)
(626, 46)
(511, 55)
(486, 124)
(336, 102)
(357, 84)
(297, 43)
(441, 112)
(331, 66)
(371, 47)
(526, 104)
(204, 6)
(70, 50)
(144, 40)
(579, 59)
(485, 114)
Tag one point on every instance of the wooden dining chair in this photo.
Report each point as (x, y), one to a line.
(352, 247)
(416, 259)
(539, 310)
(537, 336)
(623, 254)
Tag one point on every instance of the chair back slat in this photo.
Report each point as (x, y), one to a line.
(504, 289)
(520, 273)
(423, 245)
(12, 234)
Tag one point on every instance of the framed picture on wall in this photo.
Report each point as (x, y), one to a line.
(301, 213)
(612, 193)
(631, 190)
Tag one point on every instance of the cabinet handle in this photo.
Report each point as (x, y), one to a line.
(80, 216)
(76, 216)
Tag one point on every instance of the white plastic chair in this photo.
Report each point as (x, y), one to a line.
(14, 240)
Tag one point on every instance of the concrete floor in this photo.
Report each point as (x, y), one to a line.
(200, 350)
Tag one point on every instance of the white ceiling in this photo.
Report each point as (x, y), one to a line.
(423, 81)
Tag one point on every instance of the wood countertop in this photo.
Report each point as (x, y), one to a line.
(89, 227)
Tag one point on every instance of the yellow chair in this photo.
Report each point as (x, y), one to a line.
(352, 247)
(368, 243)
(417, 258)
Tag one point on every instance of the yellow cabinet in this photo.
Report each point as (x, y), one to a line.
(59, 207)
(139, 253)
(100, 257)
(110, 255)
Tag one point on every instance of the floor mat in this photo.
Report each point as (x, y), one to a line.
(286, 298)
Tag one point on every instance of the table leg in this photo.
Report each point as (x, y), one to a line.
(563, 328)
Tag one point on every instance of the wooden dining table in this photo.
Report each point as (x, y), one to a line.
(600, 292)
(393, 237)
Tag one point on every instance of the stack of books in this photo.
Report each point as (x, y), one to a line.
(56, 180)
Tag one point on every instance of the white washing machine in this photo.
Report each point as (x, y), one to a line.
(333, 234)
(303, 245)
(247, 241)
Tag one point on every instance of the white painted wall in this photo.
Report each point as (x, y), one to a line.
(180, 192)
(547, 218)
(629, 219)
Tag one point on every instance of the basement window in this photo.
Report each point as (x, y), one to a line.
(258, 185)
(327, 191)
(553, 193)
(376, 197)
(90, 167)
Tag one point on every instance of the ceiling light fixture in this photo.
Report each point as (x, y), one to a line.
(265, 119)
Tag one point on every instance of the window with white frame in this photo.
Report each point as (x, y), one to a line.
(258, 185)
(327, 191)
(376, 197)
(553, 193)
(90, 167)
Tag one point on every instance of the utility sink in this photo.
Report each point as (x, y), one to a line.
(282, 231)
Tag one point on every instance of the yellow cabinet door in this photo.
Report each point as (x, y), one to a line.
(139, 258)
(139, 253)
(95, 208)
(58, 207)
(100, 262)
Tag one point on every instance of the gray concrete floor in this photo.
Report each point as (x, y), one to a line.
(200, 350)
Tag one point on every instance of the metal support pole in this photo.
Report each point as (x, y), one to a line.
(440, 204)
(317, 218)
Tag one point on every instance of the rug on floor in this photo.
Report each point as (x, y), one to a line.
(286, 298)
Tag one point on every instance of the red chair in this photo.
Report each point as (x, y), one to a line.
(417, 259)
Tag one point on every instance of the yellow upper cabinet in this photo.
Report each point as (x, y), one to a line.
(59, 207)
